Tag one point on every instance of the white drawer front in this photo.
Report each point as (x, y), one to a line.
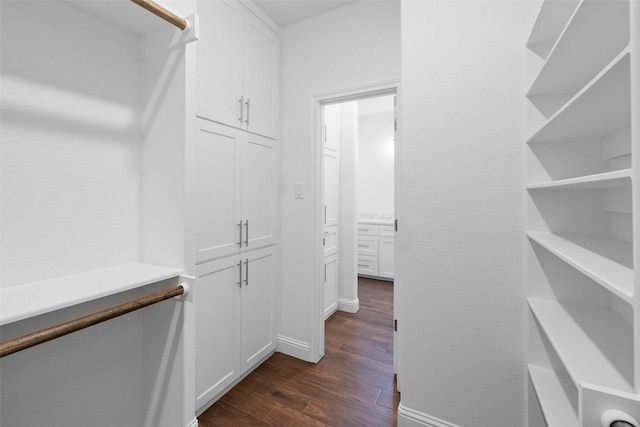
(368, 246)
(330, 240)
(367, 230)
(367, 265)
(387, 231)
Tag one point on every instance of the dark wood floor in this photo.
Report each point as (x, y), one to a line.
(353, 385)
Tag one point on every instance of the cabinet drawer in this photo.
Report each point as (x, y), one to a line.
(367, 230)
(367, 265)
(330, 240)
(368, 245)
(387, 230)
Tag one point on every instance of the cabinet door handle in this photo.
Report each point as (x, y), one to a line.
(241, 101)
(246, 236)
(246, 271)
(325, 214)
(240, 227)
(248, 104)
(240, 271)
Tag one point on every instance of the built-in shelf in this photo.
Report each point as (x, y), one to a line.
(551, 21)
(602, 107)
(554, 401)
(32, 299)
(573, 61)
(605, 260)
(613, 179)
(594, 344)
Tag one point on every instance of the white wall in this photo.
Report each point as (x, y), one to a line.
(460, 242)
(376, 159)
(352, 46)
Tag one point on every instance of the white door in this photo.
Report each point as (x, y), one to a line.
(216, 295)
(217, 189)
(260, 71)
(386, 257)
(259, 191)
(258, 306)
(219, 61)
(330, 285)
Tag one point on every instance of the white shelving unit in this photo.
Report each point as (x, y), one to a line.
(582, 211)
(96, 120)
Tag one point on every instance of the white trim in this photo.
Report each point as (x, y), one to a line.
(193, 423)
(316, 189)
(293, 347)
(349, 305)
(408, 417)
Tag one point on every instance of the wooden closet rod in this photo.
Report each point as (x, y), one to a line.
(30, 340)
(163, 13)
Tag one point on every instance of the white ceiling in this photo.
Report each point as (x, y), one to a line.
(287, 12)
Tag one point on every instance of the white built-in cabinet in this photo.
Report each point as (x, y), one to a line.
(237, 68)
(583, 203)
(376, 250)
(235, 319)
(331, 131)
(235, 195)
(235, 190)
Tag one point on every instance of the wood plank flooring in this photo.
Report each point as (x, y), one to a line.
(353, 385)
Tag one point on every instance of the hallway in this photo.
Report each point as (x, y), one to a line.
(353, 385)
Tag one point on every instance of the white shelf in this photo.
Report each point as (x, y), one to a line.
(613, 179)
(607, 261)
(573, 61)
(600, 108)
(551, 21)
(594, 344)
(554, 401)
(29, 300)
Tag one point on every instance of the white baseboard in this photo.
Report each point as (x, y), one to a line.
(193, 423)
(349, 305)
(294, 348)
(408, 417)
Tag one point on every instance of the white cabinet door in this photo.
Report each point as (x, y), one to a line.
(386, 257)
(219, 61)
(217, 190)
(330, 285)
(258, 306)
(260, 77)
(259, 191)
(216, 295)
(331, 190)
(331, 127)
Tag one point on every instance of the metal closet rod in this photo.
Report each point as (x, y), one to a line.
(163, 13)
(21, 343)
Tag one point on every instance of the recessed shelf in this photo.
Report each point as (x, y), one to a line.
(32, 299)
(555, 403)
(594, 344)
(605, 260)
(551, 21)
(599, 109)
(619, 178)
(573, 61)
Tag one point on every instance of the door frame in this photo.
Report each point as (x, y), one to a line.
(316, 297)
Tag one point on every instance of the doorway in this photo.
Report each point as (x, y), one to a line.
(336, 129)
